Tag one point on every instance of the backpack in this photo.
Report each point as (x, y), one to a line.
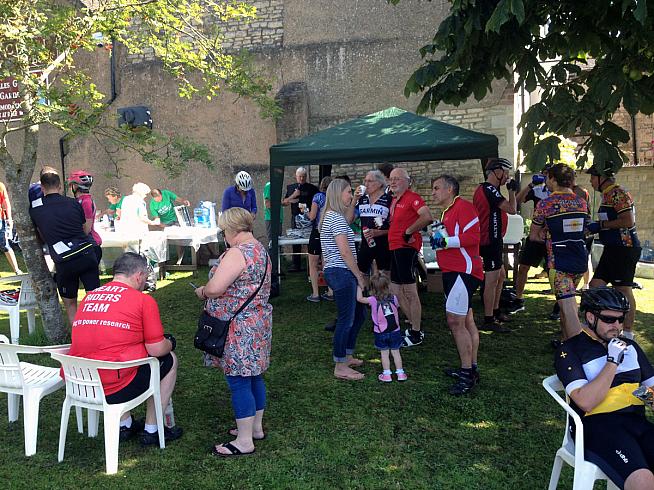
(387, 315)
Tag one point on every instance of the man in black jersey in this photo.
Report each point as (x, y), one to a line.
(600, 370)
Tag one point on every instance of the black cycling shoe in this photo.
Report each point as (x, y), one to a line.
(494, 327)
(127, 433)
(502, 317)
(463, 386)
(456, 373)
(152, 439)
(412, 337)
(516, 306)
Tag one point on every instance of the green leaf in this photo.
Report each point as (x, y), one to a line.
(500, 16)
(517, 8)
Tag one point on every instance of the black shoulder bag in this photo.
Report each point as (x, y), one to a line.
(211, 334)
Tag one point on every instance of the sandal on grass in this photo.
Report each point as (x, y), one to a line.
(234, 451)
(233, 431)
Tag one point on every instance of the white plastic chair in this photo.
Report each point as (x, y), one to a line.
(30, 381)
(572, 451)
(26, 301)
(84, 389)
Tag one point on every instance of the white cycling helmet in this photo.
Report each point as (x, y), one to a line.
(243, 181)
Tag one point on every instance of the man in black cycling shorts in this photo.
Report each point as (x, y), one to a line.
(616, 225)
(492, 208)
(60, 222)
(600, 370)
(457, 253)
(409, 214)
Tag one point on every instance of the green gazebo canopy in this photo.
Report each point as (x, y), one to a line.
(391, 135)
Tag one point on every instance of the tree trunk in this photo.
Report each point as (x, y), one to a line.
(18, 181)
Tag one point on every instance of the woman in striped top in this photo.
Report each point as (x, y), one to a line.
(342, 276)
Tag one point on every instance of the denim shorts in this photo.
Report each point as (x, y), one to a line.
(388, 340)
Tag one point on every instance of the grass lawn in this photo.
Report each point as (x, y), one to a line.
(325, 433)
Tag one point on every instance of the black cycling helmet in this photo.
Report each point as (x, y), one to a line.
(603, 298)
(499, 163)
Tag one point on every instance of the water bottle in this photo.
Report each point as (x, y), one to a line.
(371, 240)
(169, 415)
(438, 229)
(197, 216)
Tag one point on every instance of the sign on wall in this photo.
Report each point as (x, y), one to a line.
(10, 100)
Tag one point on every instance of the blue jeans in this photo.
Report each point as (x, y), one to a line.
(248, 395)
(351, 314)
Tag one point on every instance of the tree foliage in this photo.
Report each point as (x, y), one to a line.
(39, 41)
(588, 58)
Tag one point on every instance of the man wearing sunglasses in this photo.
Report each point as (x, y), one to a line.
(600, 370)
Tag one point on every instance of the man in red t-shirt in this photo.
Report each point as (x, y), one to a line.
(117, 322)
(458, 257)
(408, 215)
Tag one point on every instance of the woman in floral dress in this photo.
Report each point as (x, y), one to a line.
(232, 281)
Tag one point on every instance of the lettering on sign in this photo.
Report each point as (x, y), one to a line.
(10, 100)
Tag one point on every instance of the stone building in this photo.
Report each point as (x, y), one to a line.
(330, 61)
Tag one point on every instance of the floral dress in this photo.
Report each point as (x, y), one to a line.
(247, 349)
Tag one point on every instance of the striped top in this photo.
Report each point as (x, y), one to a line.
(335, 224)
(581, 358)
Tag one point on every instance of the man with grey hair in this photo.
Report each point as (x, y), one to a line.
(409, 214)
(299, 196)
(374, 211)
(117, 322)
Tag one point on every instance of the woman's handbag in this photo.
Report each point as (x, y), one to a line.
(211, 334)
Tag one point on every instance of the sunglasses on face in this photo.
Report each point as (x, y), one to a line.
(610, 319)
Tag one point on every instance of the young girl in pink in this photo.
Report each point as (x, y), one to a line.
(388, 337)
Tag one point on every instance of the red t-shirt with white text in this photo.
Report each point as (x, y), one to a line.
(113, 323)
(404, 212)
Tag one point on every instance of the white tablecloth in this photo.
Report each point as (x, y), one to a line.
(154, 245)
(189, 236)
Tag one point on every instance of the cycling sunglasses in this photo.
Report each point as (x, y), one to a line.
(610, 319)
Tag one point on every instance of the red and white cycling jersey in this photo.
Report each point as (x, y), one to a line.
(462, 252)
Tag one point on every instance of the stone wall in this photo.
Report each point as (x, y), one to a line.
(266, 31)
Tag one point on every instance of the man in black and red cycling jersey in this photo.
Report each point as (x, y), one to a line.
(457, 253)
(600, 371)
(492, 209)
(616, 225)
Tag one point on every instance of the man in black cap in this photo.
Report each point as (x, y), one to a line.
(492, 208)
(616, 226)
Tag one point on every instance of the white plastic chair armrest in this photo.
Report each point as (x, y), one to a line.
(153, 361)
(59, 349)
(579, 428)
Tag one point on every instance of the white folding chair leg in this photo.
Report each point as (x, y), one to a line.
(585, 475)
(31, 402)
(14, 325)
(158, 410)
(80, 419)
(31, 320)
(556, 472)
(93, 422)
(13, 402)
(65, 414)
(111, 439)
